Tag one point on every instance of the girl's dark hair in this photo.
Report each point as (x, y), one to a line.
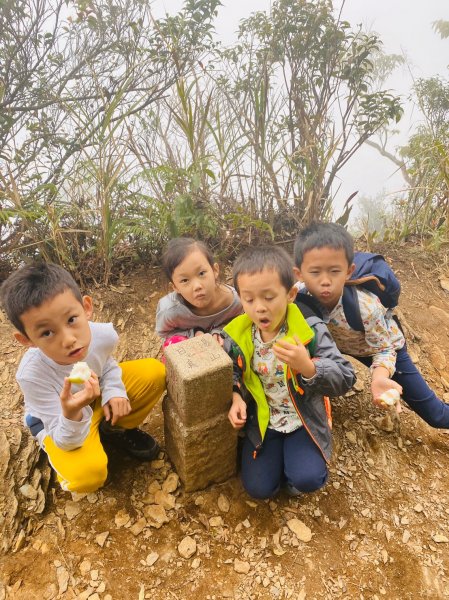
(178, 249)
(323, 235)
(31, 286)
(255, 260)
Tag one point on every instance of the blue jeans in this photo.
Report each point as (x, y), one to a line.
(291, 458)
(415, 391)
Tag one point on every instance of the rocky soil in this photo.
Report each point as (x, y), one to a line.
(380, 529)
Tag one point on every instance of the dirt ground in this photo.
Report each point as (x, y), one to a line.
(379, 529)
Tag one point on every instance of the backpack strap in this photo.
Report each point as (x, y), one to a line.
(363, 280)
(309, 308)
(351, 308)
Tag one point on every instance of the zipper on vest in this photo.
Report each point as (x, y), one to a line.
(304, 423)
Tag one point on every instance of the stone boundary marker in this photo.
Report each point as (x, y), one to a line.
(199, 439)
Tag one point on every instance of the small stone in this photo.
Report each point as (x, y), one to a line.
(157, 464)
(62, 575)
(199, 501)
(187, 547)
(122, 518)
(196, 562)
(406, 536)
(94, 575)
(223, 503)
(94, 597)
(138, 526)
(440, 539)
(300, 529)
(418, 508)
(156, 515)
(216, 522)
(85, 567)
(171, 483)
(444, 282)
(241, 566)
(72, 509)
(101, 538)
(351, 436)
(359, 385)
(154, 487)
(92, 498)
(385, 423)
(28, 491)
(164, 499)
(152, 558)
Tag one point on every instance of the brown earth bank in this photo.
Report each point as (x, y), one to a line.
(379, 529)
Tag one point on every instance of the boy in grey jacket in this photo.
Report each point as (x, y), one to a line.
(285, 366)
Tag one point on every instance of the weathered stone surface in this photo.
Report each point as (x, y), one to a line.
(198, 436)
(203, 454)
(199, 379)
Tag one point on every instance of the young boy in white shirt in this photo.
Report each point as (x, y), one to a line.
(52, 319)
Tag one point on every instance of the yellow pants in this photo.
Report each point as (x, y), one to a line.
(85, 469)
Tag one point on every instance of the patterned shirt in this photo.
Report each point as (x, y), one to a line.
(382, 336)
(283, 415)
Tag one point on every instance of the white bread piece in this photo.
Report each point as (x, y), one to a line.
(80, 373)
(390, 397)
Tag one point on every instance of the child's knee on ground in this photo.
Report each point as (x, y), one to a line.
(86, 476)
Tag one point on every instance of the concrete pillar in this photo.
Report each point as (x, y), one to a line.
(199, 439)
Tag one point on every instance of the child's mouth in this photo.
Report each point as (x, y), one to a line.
(76, 352)
(264, 322)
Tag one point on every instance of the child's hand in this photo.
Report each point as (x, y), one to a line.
(73, 403)
(295, 356)
(237, 412)
(380, 384)
(116, 408)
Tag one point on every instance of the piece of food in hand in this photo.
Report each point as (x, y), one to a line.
(289, 339)
(80, 373)
(390, 397)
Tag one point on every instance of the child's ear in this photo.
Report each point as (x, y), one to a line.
(297, 273)
(23, 339)
(88, 306)
(351, 269)
(216, 270)
(292, 293)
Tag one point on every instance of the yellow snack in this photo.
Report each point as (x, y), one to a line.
(289, 339)
(80, 373)
(390, 397)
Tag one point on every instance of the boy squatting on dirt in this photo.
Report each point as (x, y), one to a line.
(45, 305)
(324, 254)
(278, 388)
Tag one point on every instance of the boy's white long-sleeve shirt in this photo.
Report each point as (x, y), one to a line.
(41, 380)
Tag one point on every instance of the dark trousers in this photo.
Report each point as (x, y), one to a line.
(415, 391)
(291, 458)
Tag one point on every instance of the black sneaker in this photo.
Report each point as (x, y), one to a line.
(135, 442)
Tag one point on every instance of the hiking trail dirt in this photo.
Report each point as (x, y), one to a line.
(379, 529)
